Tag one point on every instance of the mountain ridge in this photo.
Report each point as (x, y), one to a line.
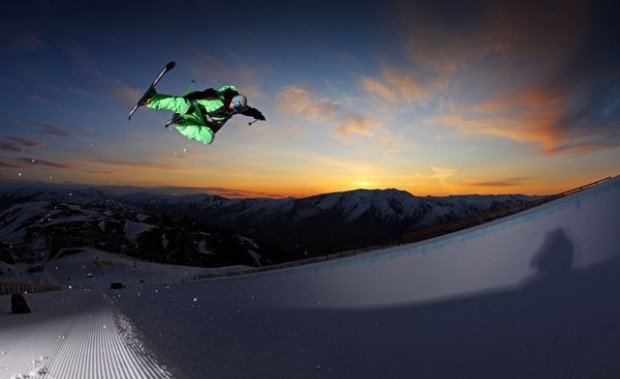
(42, 230)
(311, 226)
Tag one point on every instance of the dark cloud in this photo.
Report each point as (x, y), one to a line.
(27, 142)
(112, 87)
(9, 145)
(508, 182)
(4, 164)
(544, 72)
(54, 130)
(17, 37)
(46, 163)
(585, 147)
(139, 164)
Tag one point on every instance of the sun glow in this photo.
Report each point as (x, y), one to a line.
(364, 184)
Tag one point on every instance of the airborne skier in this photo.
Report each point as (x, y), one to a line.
(199, 115)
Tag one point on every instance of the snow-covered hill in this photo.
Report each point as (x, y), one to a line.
(310, 226)
(331, 222)
(532, 295)
(37, 231)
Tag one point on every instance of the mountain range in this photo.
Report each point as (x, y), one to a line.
(327, 223)
(35, 230)
(296, 227)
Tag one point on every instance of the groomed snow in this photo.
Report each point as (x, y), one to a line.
(79, 333)
(72, 334)
(533, 295)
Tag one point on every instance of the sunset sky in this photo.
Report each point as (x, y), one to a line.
(430, 97)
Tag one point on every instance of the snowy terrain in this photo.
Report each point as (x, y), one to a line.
(73, 334)
(531, 295)
(328, 223)
(79, 332)
(38, 231)
(311, 226)
(73, 271)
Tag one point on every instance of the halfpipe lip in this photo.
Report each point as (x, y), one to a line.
(565, 199)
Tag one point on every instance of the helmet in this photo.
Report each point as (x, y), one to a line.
(240, 102)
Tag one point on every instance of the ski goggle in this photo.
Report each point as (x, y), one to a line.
(239, 103)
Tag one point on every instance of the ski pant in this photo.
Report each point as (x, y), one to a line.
(191, 124)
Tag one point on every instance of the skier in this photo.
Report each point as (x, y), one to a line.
(199, 115)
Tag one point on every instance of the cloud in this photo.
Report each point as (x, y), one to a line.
(27, 142)
(4, 164)
(346, 126)
(15, 143)
(29, 43)
(533, 117)
(9, 146)
(357, 125)
(303, 102)
(18, 38)
(54, 130)
(354, 126)
(448, 37)
(584, 147)
(113, 88)
(237, 71)
(399, 90)
(140, 164)
(46, 163)
(543, 73)
(519, 125)
(508, 182)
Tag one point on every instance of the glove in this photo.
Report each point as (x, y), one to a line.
(253, 112)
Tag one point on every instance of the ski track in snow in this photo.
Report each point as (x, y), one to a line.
(72, 334)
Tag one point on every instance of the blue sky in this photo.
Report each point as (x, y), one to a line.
(430, 97)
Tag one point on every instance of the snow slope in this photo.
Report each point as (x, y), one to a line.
(532, 295)
(39, 231)
(72, 272)
(79, 333)
(72, 334)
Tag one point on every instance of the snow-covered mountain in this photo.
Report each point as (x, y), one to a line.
(309, 226)
(39, 230)
(331, 222)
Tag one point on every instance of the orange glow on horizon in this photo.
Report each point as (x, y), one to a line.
(436, 190)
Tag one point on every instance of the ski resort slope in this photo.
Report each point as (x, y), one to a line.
(536, 295)
(72, 334)
(533, 295)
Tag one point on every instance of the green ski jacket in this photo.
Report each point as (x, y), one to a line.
(199, 119)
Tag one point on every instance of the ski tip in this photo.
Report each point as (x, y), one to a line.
(170, 65)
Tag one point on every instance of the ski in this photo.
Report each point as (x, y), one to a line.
(144, 97)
